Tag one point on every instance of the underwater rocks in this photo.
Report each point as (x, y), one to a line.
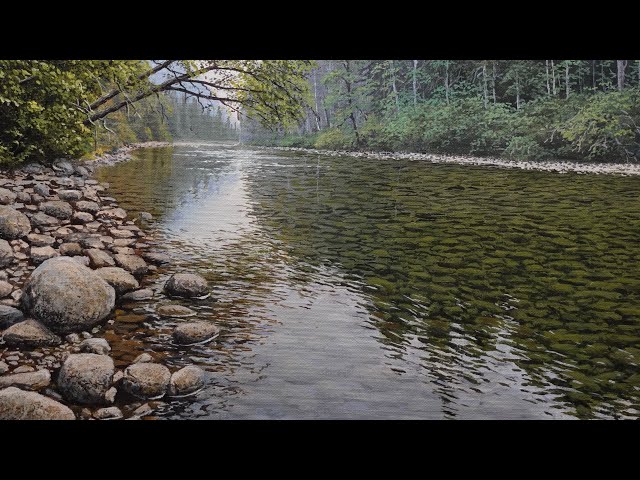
(187, 285)
(195, 332)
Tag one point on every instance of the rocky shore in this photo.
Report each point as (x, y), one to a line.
(548, 166)
(68, 256)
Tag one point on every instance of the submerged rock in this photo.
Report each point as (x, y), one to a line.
(186, 285)
(67, 296)
(143, 358)
(156, 258)
(146, 380)
(118, 278)
(195, 332)
(86, 378)
(29, 334)
(13, 224)
(177, 311)
(186, 380)
(16, 404)
(139, 295)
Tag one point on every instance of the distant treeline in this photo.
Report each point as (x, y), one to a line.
(522, 109)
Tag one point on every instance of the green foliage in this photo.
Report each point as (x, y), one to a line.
(334, 139)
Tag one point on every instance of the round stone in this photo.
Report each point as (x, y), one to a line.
(146, 380)
(195, 332)
(86, 378)
(186, 285)
(13, 224)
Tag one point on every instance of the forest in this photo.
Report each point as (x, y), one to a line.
(520, 109)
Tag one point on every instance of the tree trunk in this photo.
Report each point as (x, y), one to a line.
(485, 85)
(315, 96)
(567, 82)
(622, 64)
(493, 83)
(553, 77)
(415, 83)
(517, 91)
(352, 116)
(546, 66)
(593, 75)
(446, 80)
(395, 89)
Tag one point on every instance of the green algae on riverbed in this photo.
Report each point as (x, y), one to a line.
(461, 264)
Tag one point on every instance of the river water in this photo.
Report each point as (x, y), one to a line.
(390, 289)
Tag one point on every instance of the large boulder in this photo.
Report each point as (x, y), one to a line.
(57, 208)
(29, 334)
(118, 278)
(6, 254)
(86, 378)
(67, 296)
(13, 224)
(9, 316)
(132, 263)
(195, 332)
(186, 285)
(16, 404)
(186, 381)
(146, 380)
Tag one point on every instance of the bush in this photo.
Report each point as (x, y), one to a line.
(334, 139)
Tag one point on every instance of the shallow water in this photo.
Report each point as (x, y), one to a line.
(355, 288)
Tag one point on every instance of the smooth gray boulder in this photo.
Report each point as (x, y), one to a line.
(186, 285)
(186, 381)
(118, 278)
(16, 404)
(29, 334)
(146, 380)
(42, 189)
(195, 332)
(67, 296)
(13, 224)
(86, 378)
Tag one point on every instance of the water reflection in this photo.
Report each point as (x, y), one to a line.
(393, 289)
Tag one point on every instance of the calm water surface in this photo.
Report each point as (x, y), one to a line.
(354, 288)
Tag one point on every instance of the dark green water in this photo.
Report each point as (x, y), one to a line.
(354, 288)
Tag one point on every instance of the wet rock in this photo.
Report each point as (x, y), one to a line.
(109, 413)
(81, 218)
(112, 214)
(63, 167)
(38, 240)
(99, 258)
(131, 263)
(70, 195)
(41, 219)
(42, 189)
(99, 346)
(139, 295)
(118, 278)
(146, 380)
(67, 296)
(87, 206)
(6, 254)
(156, 258)
(185, 381)
(143, 358)
(16, 404)
(186, 285)
(57, 208)
(29, 334)
(195, 332)
(70, 249)
(177, 311)
(145, 216)
(27, 381)
(116, 233)
(7, 196)
(86, 377)
(13, 224)
(5, 289)
(142, 410)
(40, 254)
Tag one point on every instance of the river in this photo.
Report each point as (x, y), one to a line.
(380, 289)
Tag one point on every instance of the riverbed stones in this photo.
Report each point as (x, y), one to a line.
(40, 254)
(118, 233)
(86, 378)
(195, 332)
(13, 224)
(38, 240)
(87, 206)
(6, 254)
(69, 195)
(145, 216)
(63, 167)
(112, 214)
(70, 249)
(16, 404)
(99, 346)
(156, 258)
(41, 189)
(143, 358)
(99, 258)
(177, 311)
(41, 219)
(29, 334)
(186, 381)
(5, 289)
(67, 296)
(79, 218)
(132, 263)
(9, 316)
(139, 295)
(108, 413)
(146, 380)
(7, 196)
(186, 285)
(28, 380)
(121, 280)
(4, 368)
(57, 208)
(92, 242)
